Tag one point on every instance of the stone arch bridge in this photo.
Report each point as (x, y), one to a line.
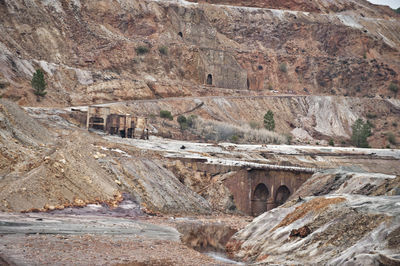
(259, 190)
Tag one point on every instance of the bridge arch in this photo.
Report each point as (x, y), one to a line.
(259, 199)
(282, 194)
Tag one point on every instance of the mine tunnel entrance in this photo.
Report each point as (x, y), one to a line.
(209, 79)
(282, 194)
(260, 197)
(96, 123)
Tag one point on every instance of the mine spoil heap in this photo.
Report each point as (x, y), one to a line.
(149, 146)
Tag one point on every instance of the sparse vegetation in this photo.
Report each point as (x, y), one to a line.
(220, 131)
(182, 122)
(166, 114)
(371, 115)
(254, 125)
(3, 84)
(391, 138)
(331, 142)
(283, 67)
(140, 50)
(361, 131)
(163, 50)
(235, 139)
(394, 124)
(39, 84)
(393, 87)
(269, 122)
(190, 120)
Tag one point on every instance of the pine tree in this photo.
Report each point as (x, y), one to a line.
(269, 122)
(361, 131)
(39, 84)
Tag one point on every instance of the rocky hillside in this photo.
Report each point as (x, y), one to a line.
(307, 118)
(97, 51)
(43, 167)
(333, 222)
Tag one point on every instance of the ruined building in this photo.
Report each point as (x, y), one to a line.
(124, 125)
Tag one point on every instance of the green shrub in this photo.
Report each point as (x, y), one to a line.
(397, 10)
(393, 87)
(289, 139)
(269, 122)
(3, 84)
(166, 114)
(142, 50)
(331, 142)
(190, 120)
(283, 67)
(361, 131)
(394, 124)
(254, 125)
(163, 50)
(182, 122)
(235, 138)
(391, 138)
(371, 115)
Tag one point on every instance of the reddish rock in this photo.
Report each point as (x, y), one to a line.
(301, 232)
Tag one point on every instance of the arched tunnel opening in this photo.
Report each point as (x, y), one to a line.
(282, 194)
(259, 201)
(209, 79)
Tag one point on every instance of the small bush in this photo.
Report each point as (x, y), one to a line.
(331, 142)
(182, 122)
(254, 125)
(3, 84)
(190, 120)
(371, 115)
(391, 138)
(394, 124)
(235, 138)
(142, 50)
(166, 114)
(283, 67)
(163, 50)
(393, 87)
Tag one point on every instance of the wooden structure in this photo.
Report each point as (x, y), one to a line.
(97, 117)
(124, 125)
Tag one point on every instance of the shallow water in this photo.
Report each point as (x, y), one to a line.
(219, 256)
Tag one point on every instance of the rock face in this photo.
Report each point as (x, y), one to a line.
(96, 51)
(314, 227)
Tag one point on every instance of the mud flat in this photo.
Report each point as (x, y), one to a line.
(98, 235)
